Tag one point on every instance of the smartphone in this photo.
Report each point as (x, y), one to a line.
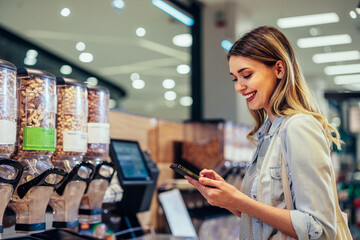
(183, 171)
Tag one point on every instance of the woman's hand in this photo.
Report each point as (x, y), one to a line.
(217, 192)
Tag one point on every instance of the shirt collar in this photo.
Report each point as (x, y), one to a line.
(263, 129)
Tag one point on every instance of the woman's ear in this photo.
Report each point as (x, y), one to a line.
(279, 69)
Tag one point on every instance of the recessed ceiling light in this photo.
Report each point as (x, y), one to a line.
(118, 4)
(342, 69)
(86, 57)
(66, 69)
(170, 95)
(30, 61)
(225, 44)
(324, 41)
(65, 12)
(336, 56)
(182, 40)
(140, 32)
(353, 14)
(134, 76)
(80, 46)
(357, 9)
(183, 69)
(168, 83)
(92, 81)
(31, 53)
(186, 101)
(347, 79)
(138, 84)
(307, 20)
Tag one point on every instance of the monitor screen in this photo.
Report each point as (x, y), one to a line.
(130, 158)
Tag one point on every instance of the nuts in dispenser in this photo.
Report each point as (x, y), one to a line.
(7, 108)
(71, 118)
(98, 122)
(36, 119)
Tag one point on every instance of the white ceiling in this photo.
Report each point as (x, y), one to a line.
(110, 36)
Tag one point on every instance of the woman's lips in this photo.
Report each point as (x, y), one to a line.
(249, 97)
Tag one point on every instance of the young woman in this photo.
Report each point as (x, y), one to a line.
(288, 125)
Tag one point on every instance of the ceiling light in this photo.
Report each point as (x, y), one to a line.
(30, 61)
(168, 83)
(324, 41)
(65, 12)
(342, 69)
(138, 84)
(118, 4)
(92, 81)
(225, 44)
(347, 79)
(186, 101)
(353, 14)
(80, 46)
(140, 32)
(86, 57)
(31, 53)
(170, 95)
(307, 20)
(65, 69)
(134, 76)
(182, 40)
(357, 9)
(173, 12)
(336, 56)
(183, 69)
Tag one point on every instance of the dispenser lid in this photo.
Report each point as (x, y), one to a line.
(6, 64)
(97, 89)
(69, 81)
(30, 71)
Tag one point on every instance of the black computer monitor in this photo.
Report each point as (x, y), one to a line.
(133, 174)
(130, 160)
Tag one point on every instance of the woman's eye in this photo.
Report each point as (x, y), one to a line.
(234, 80)
(247, 76)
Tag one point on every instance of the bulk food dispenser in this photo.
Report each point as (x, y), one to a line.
(10, 170)
(36, 91)
(71, 128)
(97, 153)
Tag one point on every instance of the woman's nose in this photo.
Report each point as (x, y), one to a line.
(239, 87)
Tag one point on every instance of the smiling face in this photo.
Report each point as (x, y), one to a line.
(255, 81)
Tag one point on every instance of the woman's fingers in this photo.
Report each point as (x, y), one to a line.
(210, 174)
(209, 182)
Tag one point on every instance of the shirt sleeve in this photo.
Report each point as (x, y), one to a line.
(306, 151)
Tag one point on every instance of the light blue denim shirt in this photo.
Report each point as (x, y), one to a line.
(306, 150)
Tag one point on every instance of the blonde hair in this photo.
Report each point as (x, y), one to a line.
(291, 95)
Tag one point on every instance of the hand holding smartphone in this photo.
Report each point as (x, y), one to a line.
(183, 171)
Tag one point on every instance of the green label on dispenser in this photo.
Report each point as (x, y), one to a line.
(38, 138)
